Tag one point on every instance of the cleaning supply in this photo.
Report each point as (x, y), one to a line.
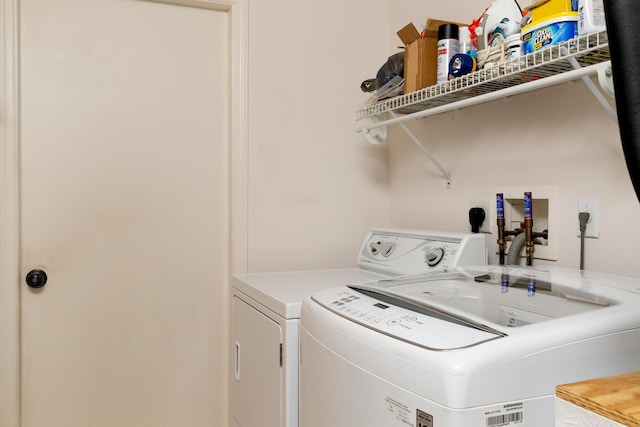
(505, 28)
(591, 16)
(448, 46)
(557, 29)
(513, 47)
(542, 10)
(464, 38)
(483, 27)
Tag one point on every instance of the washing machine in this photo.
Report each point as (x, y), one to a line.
(266, 310)
(478, 347)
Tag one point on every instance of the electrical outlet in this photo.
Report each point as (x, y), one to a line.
(589, 204)
(485, 204)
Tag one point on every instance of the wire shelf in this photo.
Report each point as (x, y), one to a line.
(588, 49)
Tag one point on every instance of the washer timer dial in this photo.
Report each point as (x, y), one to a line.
(434, 256)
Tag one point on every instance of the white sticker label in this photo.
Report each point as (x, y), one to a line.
(507, 415)
(399, 410)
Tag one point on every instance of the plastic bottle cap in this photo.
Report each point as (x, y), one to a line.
(448, 31)
(513, 39)
(464, 35)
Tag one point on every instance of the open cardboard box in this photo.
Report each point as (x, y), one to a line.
(421, 54)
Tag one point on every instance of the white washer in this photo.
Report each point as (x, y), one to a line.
(266, 308)
(462, 349)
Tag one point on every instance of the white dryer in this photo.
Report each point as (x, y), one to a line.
(481, 347)
(266, 308)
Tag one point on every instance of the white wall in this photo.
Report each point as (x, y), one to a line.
(315, 187)
(555, 137)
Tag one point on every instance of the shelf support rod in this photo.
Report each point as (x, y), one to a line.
(424, 150)
(491, 96)
(594, 90)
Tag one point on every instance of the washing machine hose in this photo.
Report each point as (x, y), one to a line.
(623, 29)
(517, 243)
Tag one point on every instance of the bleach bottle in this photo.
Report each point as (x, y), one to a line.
(591, 16)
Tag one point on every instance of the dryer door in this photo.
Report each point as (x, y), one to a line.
(256, 388)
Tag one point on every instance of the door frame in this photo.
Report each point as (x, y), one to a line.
(10, 280)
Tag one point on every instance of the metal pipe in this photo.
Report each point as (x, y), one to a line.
(500, 214)
(529, 234)
(543, 234)
(528, 227)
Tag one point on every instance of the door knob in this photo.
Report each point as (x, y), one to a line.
(36, 279)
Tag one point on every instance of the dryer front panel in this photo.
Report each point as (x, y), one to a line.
(257, 383)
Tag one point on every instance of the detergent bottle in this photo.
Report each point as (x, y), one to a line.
(591, 16)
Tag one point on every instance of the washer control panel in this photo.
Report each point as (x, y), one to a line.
(411, 326)
(402, 252)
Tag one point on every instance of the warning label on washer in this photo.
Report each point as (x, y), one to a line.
(507, 415)
(423, 419)
(398, 410)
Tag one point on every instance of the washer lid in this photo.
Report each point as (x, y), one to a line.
(411, 323)
(474, 304)
(500, 298)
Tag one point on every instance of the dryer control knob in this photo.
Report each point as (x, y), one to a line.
(387, 248)
(433, 257)
(374, 247)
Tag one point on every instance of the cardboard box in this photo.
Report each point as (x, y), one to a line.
(421, 55)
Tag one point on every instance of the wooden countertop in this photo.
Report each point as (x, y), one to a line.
(617, 397)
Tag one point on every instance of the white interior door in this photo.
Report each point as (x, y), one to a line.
(125, 201)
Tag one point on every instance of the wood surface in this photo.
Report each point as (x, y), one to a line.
(617, 397)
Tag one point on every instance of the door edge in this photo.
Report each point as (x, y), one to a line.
(9, 216)
(239, 135)
(239, 12)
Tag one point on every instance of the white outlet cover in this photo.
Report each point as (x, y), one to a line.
(590, 204)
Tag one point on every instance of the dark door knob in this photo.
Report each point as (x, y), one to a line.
(36, 279)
